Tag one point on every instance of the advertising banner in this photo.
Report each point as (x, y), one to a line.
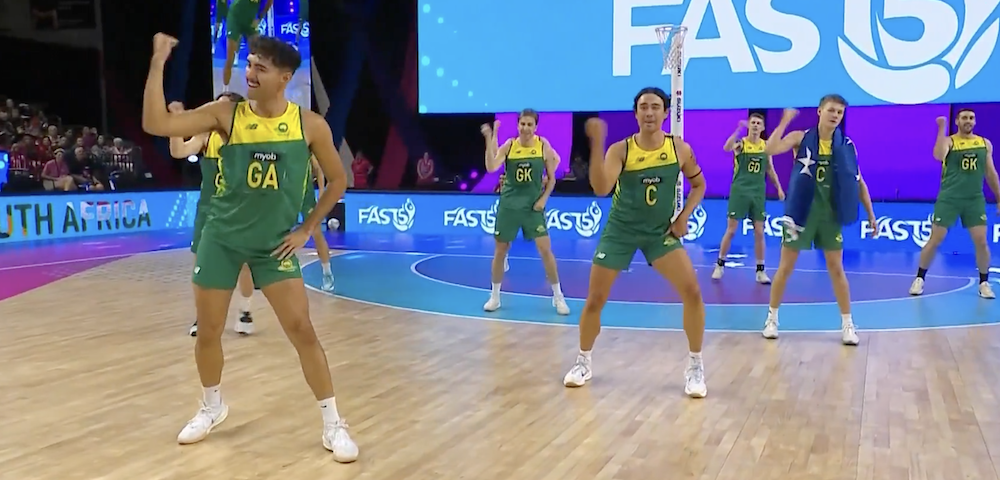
(902, 227)
(595, 55)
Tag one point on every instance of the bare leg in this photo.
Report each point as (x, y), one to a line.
(601, 280)
(232, 46)
(842, 292)
(213, 307)
(785, 268)
(724, 245)
(291, 306)
(978, 234)
(496, 275)
(323, 251)
(938, 234)
(544, 246)
(244, 325)
(677, 269)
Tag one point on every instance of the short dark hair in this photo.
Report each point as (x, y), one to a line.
(963, 110)
(232, 96)
(833, 97)
(528, 112)
(757, 115)
(655, 91)
(279, 53)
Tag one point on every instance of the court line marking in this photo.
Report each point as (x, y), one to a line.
(413, 270)
(89, 259)
(616, 327)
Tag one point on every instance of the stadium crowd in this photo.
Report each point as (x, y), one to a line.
(46, 154)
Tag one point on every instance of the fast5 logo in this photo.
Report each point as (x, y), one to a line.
(919, 231)
(773, 226)
(463, 217)
(586, 223)
(292, 29)
(401, 218)
(896, 51)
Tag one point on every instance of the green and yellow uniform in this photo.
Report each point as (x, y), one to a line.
(642, 207)
(240, 19)
(303, 11)
(309, 202)
(748, 193)
(962, 174)
(210, 180)
(821, 229)
(523, 184)
(265, 174)
(221, 10)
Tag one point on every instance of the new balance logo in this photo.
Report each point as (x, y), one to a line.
(252, 126)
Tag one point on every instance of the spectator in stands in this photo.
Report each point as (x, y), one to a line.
(362, 169)
(119, 147)
(102, 143)
(82, 167)
(425, 170)
(500, 183)
(55, 175)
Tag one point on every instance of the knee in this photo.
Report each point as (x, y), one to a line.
(209, 332)
(595, 302)
(836, 271)
(690, 293)
(300, 332)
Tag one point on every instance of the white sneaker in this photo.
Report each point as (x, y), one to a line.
(762, 278)
(193, 331)
(337, 440)
(986, 291)
(560, 303)
(849, 334)
(244, 326)
(770, 327)
(202, 424)
(327, 283)
(717, 272)
(694, 380)
(506, 264)
(493, 304)
(579, 374)
(917, 287)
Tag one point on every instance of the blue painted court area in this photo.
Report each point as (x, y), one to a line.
(451, 276)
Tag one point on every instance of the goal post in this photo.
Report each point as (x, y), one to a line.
(671, 38)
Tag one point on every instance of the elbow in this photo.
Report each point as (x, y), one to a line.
(600, 189)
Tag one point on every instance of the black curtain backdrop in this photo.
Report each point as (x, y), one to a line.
(129, 27)
(65, 80)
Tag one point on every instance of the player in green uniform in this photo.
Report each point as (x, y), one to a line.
(747, 195)
(966, 160)
(322, 247)
(209, 144)
(303, 20)
(242, 19)
(265, 175)
(822, 229)
(221, 12)
(530, 163)
(642, 170)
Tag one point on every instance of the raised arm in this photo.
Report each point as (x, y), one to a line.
(692, 171)
(182, 149)
(732, 143)
(991, 171)
(942, 145)
(156, 120)
(604, 168)
(778, 142)
(495, 154)
(320, 140)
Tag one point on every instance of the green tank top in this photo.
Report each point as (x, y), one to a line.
(643, 202)
(209, 165)
(524, 176)
(964, 169)
(265, 175)
(749, 166)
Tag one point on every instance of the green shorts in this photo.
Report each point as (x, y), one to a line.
(221, 10)
(217, 266)
(308, 204)
(821, 231)
(971, 211)
(200, 217)
(745, 205)
(509, 222)
(303, 11)
(239, 23)
(616, 249)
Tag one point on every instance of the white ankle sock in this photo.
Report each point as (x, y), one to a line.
(496, 290)
(694, 357)
(585, 354)
(556, 290)
(846, 319)
(772, 313)
(328, 408)
(326, 268)
(213, 396)
(245, 303)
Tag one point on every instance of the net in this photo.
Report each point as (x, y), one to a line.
(671, 38)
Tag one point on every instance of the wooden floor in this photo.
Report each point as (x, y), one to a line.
(97, 377)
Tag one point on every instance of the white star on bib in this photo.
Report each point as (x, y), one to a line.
(807, 162)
